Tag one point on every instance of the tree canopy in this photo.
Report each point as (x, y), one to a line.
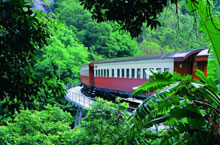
(23, 32)
(49, 126)
(101, 39)
(178, 32)
(131, 15)
(62, 57)
(105, 123)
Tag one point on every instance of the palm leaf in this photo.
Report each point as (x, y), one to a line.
(158, 81)
(208, 82)
(151, 112)
(156, 109)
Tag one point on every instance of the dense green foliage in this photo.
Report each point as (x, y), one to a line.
(22, 33)
(62, 57)
(101, 39)
(178, 32)
(105, 123)
(32, 71)
(50, 126)
(76, 40)
(188, 108)
(129, 14)
(178, 28)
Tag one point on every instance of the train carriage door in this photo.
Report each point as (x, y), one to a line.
(190, 62)
(184, 62)
(91, 75)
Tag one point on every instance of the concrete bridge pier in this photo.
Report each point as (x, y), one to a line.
(80, 112)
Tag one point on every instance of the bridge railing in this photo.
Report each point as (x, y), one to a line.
(79, 99)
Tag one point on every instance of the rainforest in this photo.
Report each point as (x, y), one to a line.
(44, 43)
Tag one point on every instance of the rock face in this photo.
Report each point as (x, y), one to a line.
(44, 5)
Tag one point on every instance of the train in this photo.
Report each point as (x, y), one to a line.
(117, 77)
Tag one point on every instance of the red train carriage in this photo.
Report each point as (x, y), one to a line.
(120, 75)
(87, 75)
(201, 61)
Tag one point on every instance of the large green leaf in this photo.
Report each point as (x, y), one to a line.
(212, 66)
(209, 82)
(211, 25)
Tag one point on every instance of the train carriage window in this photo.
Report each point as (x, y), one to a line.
(158, 69)
(132, 72)
(107, 72)
(96, 73)
(122, 73)
(104, 72)
(101, 72)
(144, 73)
(166, 69)
(127, 73)
(118, 73)
(113, 73)
(138, 73)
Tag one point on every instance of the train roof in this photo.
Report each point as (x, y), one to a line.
(178, 56)
(203, 53)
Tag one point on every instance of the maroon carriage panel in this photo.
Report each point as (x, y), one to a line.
(120, 84)
(84, 79)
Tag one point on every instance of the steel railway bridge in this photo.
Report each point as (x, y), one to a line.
(83, 102)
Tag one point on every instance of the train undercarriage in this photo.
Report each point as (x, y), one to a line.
(93, 92)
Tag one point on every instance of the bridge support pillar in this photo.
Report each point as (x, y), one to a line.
(79, 113)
